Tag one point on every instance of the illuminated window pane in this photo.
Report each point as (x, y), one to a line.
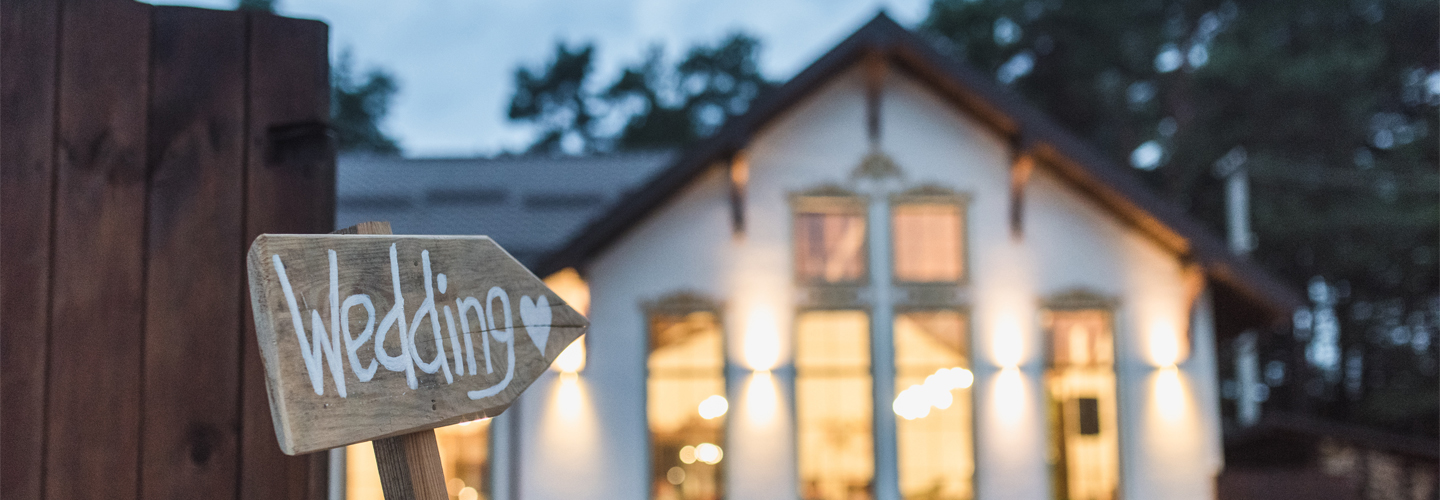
(464, 458)
(686, 406)
(932, 385)
(1084, 441)
(833, 405)
(830, 245)
(928, 242)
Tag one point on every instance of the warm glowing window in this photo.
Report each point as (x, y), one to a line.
(929, 242)
(1084, 443)
(833, 405)
(830, 241)
(464, 457)
(932, 387)
(686, 404)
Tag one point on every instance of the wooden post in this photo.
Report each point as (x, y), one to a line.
(410, 467)
(409, 463)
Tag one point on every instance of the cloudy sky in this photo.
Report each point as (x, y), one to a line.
(455, 59)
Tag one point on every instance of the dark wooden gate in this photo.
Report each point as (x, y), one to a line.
(143, 149)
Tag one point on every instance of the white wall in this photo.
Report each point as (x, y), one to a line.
(589, 439)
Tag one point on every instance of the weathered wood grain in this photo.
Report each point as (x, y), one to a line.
(193, 294)
(289, 83)
(409, 464)
(410, 467)
(27, 124)
(93, 382)
(524, 319)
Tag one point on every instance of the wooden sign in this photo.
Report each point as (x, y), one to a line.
(371, 336)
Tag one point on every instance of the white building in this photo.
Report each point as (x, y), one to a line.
(889, 279)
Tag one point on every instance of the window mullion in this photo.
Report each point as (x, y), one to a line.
(882, 349)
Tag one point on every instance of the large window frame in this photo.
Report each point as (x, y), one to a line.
(967, 323)
(682, 304)
(830, 200)
(931, 195)
(1070, 302)
(883, 297)
(795, 400)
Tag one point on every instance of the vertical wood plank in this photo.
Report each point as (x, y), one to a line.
(194, 272)
(93, 381)
(28, 31)
(290, 188)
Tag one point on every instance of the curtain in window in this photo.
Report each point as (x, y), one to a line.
(833, 405)
(830, 247)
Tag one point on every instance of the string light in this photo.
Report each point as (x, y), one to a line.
(708, 453)
(713, 406)
(917, 400)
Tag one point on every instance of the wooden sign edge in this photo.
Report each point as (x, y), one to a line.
(259, 298)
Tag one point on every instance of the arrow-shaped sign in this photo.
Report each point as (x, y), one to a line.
(371, 336)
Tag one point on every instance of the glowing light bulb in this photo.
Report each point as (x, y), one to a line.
(713, 406)
(687, 454)
(901, 406)
(962, 378)
(940, 398)
(922, 410)
(708, 453)
(914, 402)
(469, 493)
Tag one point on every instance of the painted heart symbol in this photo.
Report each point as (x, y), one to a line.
(535, 315)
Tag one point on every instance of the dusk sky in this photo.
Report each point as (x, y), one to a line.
(455, 59)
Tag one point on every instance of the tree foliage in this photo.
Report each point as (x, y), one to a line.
(555, 101)
(1329, 105)
(358, 104)
(651, 104)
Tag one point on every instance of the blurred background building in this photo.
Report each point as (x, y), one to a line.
(889, 277)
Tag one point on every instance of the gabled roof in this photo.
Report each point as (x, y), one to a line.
(1112, 185)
